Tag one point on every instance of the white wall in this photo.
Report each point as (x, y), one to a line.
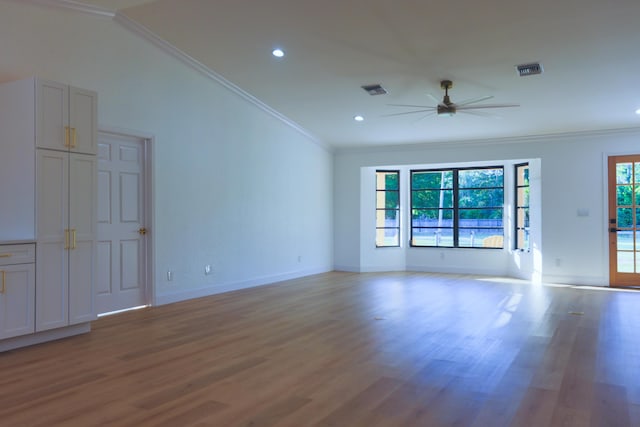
(234, 186)
(572, 175)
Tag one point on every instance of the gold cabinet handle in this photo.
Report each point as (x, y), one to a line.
(4, 281)
(73, 232)
(6, 255)
(66, 137)
(142, 231)
(74, 137)
(66, 238)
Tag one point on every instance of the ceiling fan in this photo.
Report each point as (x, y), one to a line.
(448, 108)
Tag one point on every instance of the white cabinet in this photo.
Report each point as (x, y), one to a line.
(48, 193)
(66, 250)
(37, 113)
(66, 118)
(17, 290)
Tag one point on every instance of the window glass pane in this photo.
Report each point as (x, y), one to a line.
(625, 219)
(637, 217)
(387, 237)
(625, 262)
(490, 216)
(386, 180)
(522, 175)
(387, 218)
(432, 237)
(637, 173)
(480, 178)
(431, 180)
(625, 240)
(481, 198)
(523, 217)
(523, 196)
(387, 199)
(481, 237)
(623, 195)
(432, 218)
(432, 199)
(523, 238)
(391, 181)
(624, 173)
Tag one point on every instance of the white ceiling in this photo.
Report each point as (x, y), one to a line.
(590, 50)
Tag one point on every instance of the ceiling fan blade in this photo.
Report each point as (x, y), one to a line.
(411, 106)
(436, 100)
(473, 100)
(480, 114)
(425, 116)
(431, 110)
(479, 107)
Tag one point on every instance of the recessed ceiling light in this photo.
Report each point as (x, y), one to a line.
(278, 53)
(358, 118)
(638, 111)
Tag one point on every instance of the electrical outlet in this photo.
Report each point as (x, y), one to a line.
(207, 269)
(169, 275)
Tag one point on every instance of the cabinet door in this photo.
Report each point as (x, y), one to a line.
(82, 223)
(52, 119)
(83, 122)
(17, 299)
(53, 240)
(17, 167)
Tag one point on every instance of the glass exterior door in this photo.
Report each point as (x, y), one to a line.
(624, 217)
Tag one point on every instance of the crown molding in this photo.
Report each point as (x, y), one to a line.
(170, 49)
(487, 141)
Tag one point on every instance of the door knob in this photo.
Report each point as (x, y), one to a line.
(142, 231)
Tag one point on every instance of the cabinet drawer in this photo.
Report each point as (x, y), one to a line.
(17, 254)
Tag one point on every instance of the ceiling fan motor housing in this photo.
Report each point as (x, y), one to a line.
(448, 110)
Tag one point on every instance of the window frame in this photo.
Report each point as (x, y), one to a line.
(455, 205)
(398, 228)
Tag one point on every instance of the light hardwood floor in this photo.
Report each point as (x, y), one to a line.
(344, 349)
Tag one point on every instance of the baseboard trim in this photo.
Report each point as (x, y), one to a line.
(44, 336)
(220, 288)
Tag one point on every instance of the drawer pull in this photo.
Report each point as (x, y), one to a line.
(6, 255)
(4, 281)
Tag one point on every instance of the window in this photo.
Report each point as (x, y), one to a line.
(457, 207)
(522, 207)
(387, 208)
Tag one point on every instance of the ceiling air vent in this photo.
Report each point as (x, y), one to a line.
(374, 89)
(529, 69)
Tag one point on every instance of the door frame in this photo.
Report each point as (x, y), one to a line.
(148, 200)
(606, 241)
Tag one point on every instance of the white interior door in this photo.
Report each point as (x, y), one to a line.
(122, 253)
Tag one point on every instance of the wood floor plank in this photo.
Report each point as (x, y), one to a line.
(344, 349)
